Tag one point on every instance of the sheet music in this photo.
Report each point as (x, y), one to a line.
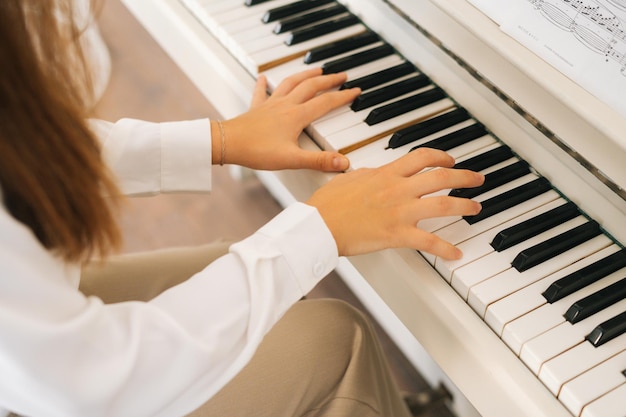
(584, 39)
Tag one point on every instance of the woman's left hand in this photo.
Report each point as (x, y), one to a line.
(266, 137)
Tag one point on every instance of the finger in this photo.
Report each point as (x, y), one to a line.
(291, 82)
(445, 178)
(322, 161)
(311, 88)
(428, 242)
(419, 159)
(443, 206)
(259, 95)
(324, 103)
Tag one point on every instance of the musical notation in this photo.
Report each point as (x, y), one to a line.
(583, 39)
(593, 24)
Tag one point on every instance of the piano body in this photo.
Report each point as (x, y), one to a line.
(564, 133)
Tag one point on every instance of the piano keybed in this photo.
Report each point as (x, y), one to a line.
(542, 274)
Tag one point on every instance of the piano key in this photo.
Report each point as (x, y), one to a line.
(310, 32)
(564, 336)
(529, 299)
(593, 384)
(340, 47)
(291, 9)
(357, 59)
(295, 22)
(482, 161)
(609, 405)
(388, 92)
(454, 139)
(254, 2)
(494, 179)
(584, 277)
(500, 286)
(389, 111)
(381, 77)
(427, 127)
(548, 316)
(577, 360)
(608, 330)
(467, 276)
(230, 21)
(537, 254)
(509, 199)
(595, 302)
(474, 240)
(513, 235)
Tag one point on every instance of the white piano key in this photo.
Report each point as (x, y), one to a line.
(524, 301)
(474, 239)
(609, 405)
(557, 340)
(579, 359)
(547, 316)
(594, 383)
(511, 280)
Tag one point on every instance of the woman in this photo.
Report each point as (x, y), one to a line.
(182, 334)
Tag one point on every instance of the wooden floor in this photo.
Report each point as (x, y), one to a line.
(146, 84)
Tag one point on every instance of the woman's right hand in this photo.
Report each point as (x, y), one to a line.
(373, 209)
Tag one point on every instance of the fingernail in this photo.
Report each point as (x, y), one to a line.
(340, 163)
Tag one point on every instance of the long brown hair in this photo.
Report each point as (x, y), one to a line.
(52, 176)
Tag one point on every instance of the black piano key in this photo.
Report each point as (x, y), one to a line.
(428, 127)
(508, 199)
(532, 227)
(585, 276)
(339, 47)
(494, 179)
(389, 92)
(323, 28)
(541, 252)
(486, 159)
(360, 58)
(456, 138)
(254, 2)
(386, 112)
(608, 330)
(597, 301)
(291, 9)
(380, 77)
(295, 22)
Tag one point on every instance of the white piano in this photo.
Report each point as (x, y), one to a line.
(480, 326)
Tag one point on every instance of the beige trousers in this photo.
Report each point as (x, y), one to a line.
(321, 359)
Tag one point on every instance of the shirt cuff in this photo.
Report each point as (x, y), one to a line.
(186, 156)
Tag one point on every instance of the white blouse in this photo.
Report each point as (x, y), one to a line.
(64, 354)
